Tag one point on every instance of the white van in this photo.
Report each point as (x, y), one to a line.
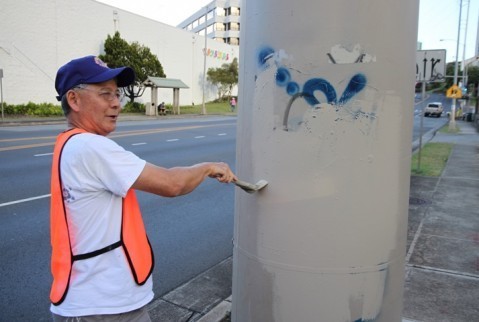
(434, 108)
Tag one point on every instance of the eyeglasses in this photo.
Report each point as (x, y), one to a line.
(106, 95)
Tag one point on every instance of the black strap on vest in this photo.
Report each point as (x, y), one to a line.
(97, 252)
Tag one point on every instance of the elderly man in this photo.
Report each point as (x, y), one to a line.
(101, 257)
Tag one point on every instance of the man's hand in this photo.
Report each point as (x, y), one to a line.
(222, 172)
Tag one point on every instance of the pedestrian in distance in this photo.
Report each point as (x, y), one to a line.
(233, 104)
(161, 108)
(102, 260)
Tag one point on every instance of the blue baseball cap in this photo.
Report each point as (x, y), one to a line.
(90, 70)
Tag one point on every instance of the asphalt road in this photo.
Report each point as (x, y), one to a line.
(429, 123)
(189, 234)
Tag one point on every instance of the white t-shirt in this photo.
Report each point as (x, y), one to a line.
(96, 174)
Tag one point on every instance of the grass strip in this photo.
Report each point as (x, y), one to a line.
(433, 159)
(211, 108)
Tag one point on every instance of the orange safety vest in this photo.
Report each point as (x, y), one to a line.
(133, 237)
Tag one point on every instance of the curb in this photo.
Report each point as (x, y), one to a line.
(219, 312)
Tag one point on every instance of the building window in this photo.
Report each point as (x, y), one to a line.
(220, 26)
(209, 29)
(210, 15)
(234, 11)
(220, 12)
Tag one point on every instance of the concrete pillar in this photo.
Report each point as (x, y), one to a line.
(153, 109)
(327, 96)
(176, 101)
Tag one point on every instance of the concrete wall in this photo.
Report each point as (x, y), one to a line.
(37, 37)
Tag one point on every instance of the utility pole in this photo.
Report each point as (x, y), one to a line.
(464, 67)
(326, 119)
(452, 121)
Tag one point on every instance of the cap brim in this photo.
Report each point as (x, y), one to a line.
(124, 76)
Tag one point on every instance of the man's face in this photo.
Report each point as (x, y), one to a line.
(97, 107)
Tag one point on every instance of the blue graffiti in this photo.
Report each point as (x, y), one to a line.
(284, 79)
(264, 54)
(356, 84)
(318, 84)
(292, 88)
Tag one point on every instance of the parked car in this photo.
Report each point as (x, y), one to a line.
(434, 108)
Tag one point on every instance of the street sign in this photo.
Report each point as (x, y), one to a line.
(454, 92)
(430, 65)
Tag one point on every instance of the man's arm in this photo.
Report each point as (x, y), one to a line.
(180, 180)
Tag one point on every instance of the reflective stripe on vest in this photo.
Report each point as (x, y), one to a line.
(133, 237)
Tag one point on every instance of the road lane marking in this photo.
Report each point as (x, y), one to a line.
(114, 135)
(199, 137)
(29, 139)
(221, 134)
(141, 143)
(42, 154)
(18, 147)
(23, 200)
(172, 140)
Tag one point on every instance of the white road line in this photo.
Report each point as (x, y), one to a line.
(221, 134)
(42, 154)
(172, 140)
(141, 143)
(23, 200)
(199, 137)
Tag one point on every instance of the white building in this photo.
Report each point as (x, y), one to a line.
(220, 18)
(37, 37)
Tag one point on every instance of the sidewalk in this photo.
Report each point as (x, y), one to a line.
(442, 261)
(442, 270)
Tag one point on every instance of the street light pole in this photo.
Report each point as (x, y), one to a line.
(193, 42)
(203, 110)
(1, 91)
(452, 122)
(464, 68)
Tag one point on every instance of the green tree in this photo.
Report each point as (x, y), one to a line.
(473, 75)
(224, 78)
(450, 73)
(118, 52)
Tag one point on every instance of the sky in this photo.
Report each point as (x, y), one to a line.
(438, 19)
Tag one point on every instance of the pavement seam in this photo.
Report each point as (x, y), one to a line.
(468, 178)
(412, 246)
(451, 238)
(444, 271)
(415, 239)
(178, 305)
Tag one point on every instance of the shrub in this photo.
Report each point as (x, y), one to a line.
(32, 109)
(134, 108)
